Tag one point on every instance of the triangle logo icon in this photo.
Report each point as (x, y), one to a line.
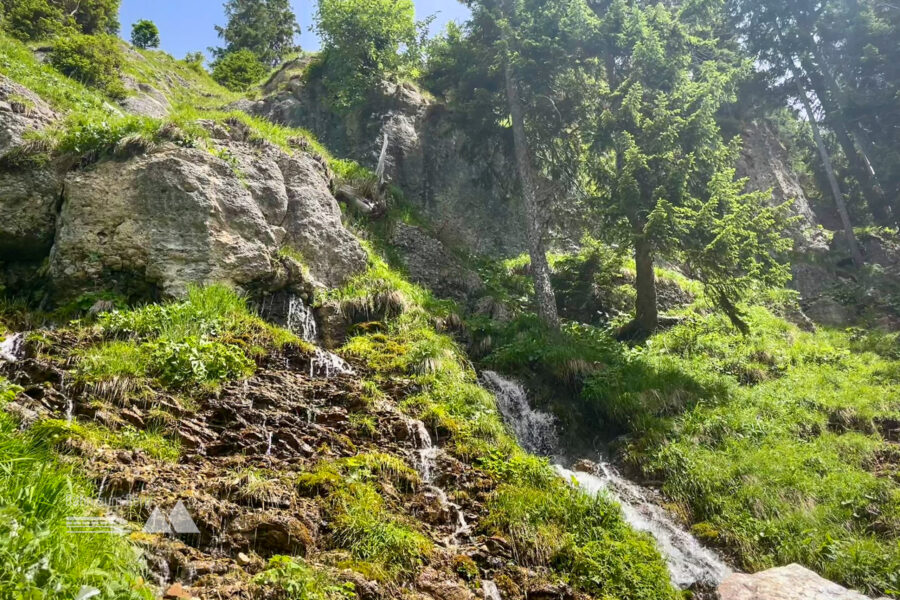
(157, 523)
(181, 520)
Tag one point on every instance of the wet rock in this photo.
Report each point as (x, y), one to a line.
(365, 589)
(177, 592)
(549, 591)
(792, 582)
(442, 586)
(272, 533)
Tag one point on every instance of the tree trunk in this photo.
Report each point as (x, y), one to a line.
(829, 93)
(535, 224)
(832, 179)
(646, 313)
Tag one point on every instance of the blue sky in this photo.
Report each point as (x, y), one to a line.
(187, 25)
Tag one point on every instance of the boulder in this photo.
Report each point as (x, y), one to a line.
(28, 204)
(21, 111)
(176, 216)
(792, 582)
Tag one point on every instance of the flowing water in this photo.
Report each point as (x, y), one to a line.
(426, 463)
(690, 563)
(325, 365)
(11, 348)
(491, 591)
(301, 321)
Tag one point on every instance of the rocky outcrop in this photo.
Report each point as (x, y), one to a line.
(429, 263)
(461, 184)
(786, 583)
(153, 222)
(21, 111)
(177, 216)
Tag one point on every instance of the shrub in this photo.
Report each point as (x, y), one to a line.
(34, 19)
(195, 360)
(296, 580)
(95, 61)
(239, 70)
(145, 34)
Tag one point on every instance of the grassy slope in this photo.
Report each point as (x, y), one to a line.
(775, 445)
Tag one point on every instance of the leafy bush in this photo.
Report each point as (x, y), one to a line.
(95, 61)
(145, 34)
(195, 360)
(34, 19)
(295, 580)
(239, 70)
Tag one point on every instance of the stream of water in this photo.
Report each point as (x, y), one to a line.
(690, 563)
(11, 348)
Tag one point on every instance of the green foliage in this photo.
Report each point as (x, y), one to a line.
(195, 61)
(238, 70)
(193, 360)
(362, 524)
(34, 19)
(95, 61)
(145, 34)
(362, 42)
(43, 19)
(56, 434)
(206, 339)
(18, 62)
(296, 580)
(39, 556)
(585, 535)
(265, 28)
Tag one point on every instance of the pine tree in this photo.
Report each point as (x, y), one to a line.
(265, 27)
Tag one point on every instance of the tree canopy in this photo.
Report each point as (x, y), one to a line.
(145, 34)
(267, 28)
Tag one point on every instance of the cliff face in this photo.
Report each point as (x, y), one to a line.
(462, 185)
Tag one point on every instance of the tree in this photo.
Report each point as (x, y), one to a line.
(267, 28)
(662, 174)
(364, 42)
(523, 70)
(238, 70)
(95, 60)
(145, 34)
(40, 19)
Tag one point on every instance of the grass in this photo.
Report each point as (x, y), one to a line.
(294, 579)
(776, 445)
(204, 340)
(583, 539)
(39, 556)
(154, 443)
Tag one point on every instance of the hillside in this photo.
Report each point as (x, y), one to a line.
(260, 344)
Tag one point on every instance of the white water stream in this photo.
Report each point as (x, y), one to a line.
(690, 563)
(11, 348)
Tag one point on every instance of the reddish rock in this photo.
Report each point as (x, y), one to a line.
(177, 592)
(785, 583)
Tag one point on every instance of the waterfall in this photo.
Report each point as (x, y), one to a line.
(300, 319)
(326, 365)
(690, 563)
(535, 430)
(426, 464)
(11, 348)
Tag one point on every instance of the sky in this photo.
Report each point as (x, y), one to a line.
(187, 25)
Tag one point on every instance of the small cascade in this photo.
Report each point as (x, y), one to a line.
(535, 430)
(70, 410)
(690, 563)
(325, 365)
(491, 591)
(11, 348)
(426, 464)
(269, 439)
(300, 319)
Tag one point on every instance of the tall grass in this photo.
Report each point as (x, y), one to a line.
(39, 556)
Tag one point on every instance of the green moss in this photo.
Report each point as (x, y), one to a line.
(56, 433)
